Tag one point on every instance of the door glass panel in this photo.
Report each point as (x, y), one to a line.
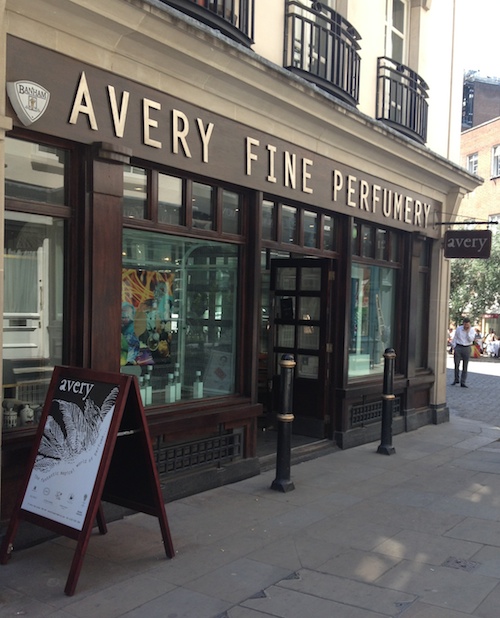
(286, 279)
(285, 309)
(309, 337)
(311, 279)
(307, 366)
(285, 336)
(310, 307)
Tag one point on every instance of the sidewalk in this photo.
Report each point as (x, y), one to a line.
(413, 535)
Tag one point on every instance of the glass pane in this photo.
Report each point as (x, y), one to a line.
(373, 297)
(310, 279)
(285, 335)
(328, 233)
(33, 313)
(421, 321)
(309, 337)
(170, 205)
(395, 244)
(268, 218)
(203, 207)
(286, 278)
(135, 196)
(398, 15)
(310, 229)
(355, 238)
(288, 224)
(367, 242)
(310, 307)
(381, 244)
(35, 172)
(179, 316)
(231, 212)
(307, 366)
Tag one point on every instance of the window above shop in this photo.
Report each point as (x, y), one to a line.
(175, 202)
(284, 224)
(369, 241)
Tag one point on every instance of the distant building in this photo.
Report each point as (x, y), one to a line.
(481, 99)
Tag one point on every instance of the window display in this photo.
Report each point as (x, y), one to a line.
(179, 299)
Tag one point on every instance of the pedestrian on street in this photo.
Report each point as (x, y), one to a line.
(462, 340)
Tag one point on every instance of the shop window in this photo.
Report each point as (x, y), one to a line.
(179, 316)
(203, 206)
(35, 172)
(373, 297)
(231, 212)
(135, 184)
(33, 313)
(367, 241)
(381, 244)
(170, 200)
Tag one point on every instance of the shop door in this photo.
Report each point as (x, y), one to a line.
(300, 325)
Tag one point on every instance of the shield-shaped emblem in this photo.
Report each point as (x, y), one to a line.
(29, 100)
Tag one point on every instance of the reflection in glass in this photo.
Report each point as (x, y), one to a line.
(203, 206)
(309, 337)
(309, 306)
(328, 233)
(231, 212)
(179, 315)
(135, 195)
(307, 366)
(35, 172)
(373, 298)
(286, 278)
(33, 310)
(310, 229)
(268, 226)
(310, 279)
(288, 224)
(170, 208)
(285, 335)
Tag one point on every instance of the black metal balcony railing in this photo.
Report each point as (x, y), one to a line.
(402, 99)
(235, 18)
(323, 47)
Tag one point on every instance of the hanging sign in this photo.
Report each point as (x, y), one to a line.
(467, 244)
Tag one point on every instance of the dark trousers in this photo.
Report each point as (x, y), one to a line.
(462, 353)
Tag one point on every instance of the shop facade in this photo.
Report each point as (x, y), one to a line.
(155, 229)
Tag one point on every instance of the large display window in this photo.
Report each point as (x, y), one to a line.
(34, 263)
(179, 316)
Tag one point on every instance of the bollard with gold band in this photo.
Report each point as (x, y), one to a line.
(388, 398)
(284, 419)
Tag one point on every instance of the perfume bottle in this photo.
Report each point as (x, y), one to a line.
(142, 390)
(170, 389)
(177, 376)
(148, 389)
(197, 386)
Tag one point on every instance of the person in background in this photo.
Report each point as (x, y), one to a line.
(462, 340)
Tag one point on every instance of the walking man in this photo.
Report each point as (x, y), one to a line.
(461, 343)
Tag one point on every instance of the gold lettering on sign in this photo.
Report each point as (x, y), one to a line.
(83, 104)
(119, 115)
(148, 122)
(180, 129)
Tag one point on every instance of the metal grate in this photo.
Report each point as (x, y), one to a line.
(212, 451)
(366, 413)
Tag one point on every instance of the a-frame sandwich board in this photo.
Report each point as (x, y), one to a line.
(92, 444)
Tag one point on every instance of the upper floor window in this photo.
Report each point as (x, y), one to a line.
(396, 30)
(472, 161)
(495, 161)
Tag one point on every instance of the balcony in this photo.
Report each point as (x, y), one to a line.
(322, 47)
(234, 18)
(402, 99)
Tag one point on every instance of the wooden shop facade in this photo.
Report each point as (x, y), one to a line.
(150, 233)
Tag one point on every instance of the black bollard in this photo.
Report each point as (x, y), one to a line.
(388, 397)
(285, 417)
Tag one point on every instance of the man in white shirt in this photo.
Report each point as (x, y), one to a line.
(461, 343)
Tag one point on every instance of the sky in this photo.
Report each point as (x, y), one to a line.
(480, 41)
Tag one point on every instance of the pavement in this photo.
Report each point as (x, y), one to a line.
(415, 534)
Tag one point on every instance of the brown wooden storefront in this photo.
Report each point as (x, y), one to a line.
(307, 255)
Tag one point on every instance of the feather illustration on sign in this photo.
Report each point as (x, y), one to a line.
(75, 434)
